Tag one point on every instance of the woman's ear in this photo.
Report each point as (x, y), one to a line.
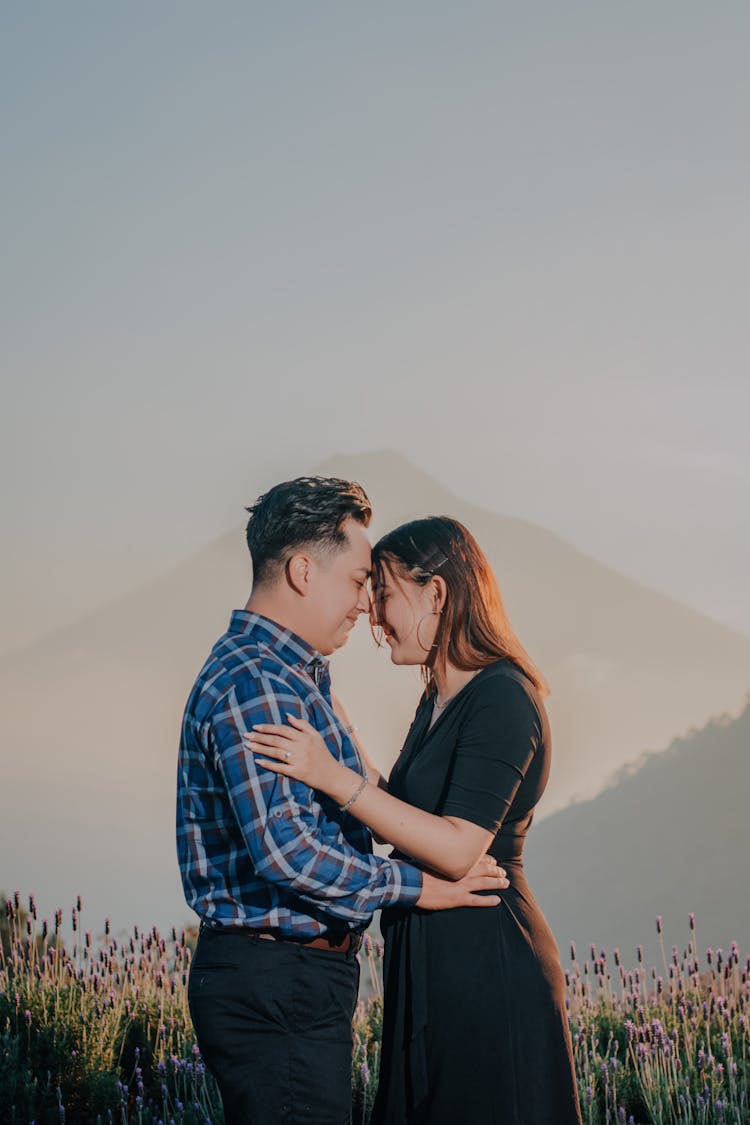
(439, 592)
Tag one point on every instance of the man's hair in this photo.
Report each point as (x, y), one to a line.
(306, 512)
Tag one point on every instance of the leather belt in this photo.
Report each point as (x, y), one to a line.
(350, 942)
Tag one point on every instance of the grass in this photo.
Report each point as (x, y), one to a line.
(98, 1030)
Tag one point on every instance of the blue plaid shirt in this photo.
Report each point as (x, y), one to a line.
(256, 848)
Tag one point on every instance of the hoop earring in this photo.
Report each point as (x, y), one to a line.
(434, 613)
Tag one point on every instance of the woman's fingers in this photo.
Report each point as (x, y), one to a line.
(275, 767)
(278, 750)
(261, 752)
(300, 724)
(265, 748)
(274, 730)
(266, 739)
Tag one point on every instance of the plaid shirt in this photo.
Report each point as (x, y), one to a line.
(256, 848)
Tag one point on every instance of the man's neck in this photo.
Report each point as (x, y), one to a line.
(274, 609)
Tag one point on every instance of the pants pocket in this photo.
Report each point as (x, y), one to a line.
(324, 995)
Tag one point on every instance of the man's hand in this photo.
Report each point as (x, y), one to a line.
(446, 894)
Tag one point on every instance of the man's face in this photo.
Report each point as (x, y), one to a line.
(340, 592)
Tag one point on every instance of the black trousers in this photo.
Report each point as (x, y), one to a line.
(274, 1025)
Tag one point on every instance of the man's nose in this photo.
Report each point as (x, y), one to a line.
(364, 605)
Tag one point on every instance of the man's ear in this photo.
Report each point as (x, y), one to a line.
(298, 574)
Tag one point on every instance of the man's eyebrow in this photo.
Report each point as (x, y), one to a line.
(363, 570)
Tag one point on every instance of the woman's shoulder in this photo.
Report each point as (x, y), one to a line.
(503, 684)
(503, 671)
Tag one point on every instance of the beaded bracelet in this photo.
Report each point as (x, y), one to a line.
(354, 795)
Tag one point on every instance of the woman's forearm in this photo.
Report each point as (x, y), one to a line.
(448, 845)
(445, 844)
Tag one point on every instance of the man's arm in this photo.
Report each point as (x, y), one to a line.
(493, 751)
(442, 893)
(290, 840)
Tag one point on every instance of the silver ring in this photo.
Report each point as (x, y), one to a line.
(287, 755)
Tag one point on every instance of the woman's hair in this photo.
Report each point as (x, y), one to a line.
(473, 630)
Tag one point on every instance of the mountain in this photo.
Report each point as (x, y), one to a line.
(629, 669)
(89, 718)
(668, 837)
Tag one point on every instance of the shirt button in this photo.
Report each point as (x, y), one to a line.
(277, 813)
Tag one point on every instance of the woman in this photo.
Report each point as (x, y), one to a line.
(474, 1025)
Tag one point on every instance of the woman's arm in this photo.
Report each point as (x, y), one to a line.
(448, 845)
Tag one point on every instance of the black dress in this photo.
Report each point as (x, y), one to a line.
(475, 1028)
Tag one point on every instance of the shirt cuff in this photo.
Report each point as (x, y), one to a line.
(404, 884)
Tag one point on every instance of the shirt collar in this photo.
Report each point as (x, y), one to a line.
(290, 647)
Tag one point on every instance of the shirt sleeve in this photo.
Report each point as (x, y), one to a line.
(495, 748)
(291, 841)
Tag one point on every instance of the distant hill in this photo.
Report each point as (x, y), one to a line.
(89, 717)
(629, 669)
(669, 838)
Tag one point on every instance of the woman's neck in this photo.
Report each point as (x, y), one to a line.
(450, 680)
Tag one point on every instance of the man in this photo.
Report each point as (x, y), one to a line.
(284, 881)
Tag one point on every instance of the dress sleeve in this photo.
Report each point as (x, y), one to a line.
(495, 748)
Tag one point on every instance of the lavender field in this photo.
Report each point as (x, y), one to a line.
(98, 1029)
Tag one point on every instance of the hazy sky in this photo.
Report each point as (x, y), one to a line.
(509, 240)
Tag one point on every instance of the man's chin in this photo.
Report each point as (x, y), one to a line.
(335, 645)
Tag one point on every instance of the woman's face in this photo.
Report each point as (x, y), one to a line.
(405, 612)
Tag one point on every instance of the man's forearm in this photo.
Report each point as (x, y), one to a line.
(345, 882)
